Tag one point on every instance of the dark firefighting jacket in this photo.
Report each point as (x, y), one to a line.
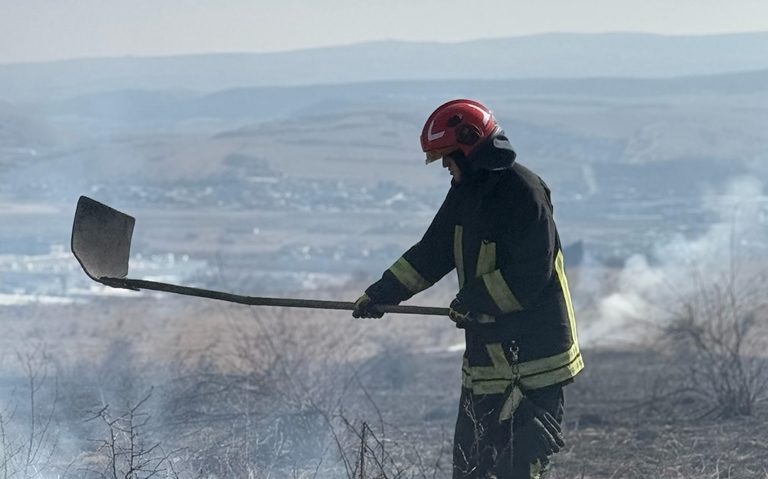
(498, 232)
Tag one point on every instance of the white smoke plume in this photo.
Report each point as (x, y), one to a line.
(644, 291)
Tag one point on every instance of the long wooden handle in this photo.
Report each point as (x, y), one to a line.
(138, 284)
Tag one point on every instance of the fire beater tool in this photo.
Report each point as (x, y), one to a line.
(101, 242)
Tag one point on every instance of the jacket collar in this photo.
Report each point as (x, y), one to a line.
(495, 153)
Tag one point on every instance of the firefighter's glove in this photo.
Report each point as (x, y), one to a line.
(538, 435)
(459, 314)
(364, 308)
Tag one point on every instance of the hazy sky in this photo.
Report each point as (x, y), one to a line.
(32, 30)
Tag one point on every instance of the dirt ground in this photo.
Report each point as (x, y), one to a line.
(616, 428)
(406, 373)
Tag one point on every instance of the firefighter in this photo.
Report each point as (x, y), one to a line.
(495, 227)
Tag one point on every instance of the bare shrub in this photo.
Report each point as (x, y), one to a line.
(276, 400)
(127, 449)
(376, 456)
(28, 438)
(262, 398)
(718, 339)
(117, 378)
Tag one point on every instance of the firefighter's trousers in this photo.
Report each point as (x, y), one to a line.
(481, 444)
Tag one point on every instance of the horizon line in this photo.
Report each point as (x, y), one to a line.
(366, 42)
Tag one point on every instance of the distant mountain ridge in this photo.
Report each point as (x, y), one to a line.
(619, 55)
(127, 106)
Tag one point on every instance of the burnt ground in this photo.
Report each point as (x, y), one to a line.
(620, 424)
(245, 393)
(619, 421)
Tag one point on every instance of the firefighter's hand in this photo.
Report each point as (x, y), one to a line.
(364, 308)
(539, 434)
(459, 314)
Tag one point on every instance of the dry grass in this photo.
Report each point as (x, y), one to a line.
(617, 426)
(284, 393)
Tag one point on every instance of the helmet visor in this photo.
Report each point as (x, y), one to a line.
(433, 155)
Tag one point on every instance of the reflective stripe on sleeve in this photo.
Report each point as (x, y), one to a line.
(499, 290)
(408, 276)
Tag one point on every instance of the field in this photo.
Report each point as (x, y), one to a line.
(228, 391)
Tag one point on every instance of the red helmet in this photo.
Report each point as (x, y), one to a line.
(456, 125)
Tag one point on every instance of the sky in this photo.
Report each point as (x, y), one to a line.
(41, 30)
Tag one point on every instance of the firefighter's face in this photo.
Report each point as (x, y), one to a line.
(453, 168)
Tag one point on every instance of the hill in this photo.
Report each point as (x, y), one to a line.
(544, 56)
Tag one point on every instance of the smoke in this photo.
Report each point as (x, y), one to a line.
(643, 293)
